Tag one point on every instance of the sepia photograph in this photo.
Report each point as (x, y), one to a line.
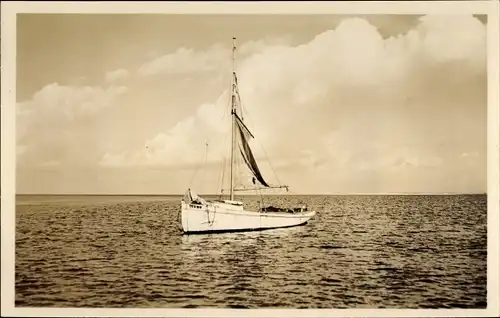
(222, 159)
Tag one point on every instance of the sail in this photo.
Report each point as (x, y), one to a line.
(191, 197)
(246, 152)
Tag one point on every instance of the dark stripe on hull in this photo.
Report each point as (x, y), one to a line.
(242, 230)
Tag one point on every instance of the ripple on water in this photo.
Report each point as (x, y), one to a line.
(359, 251)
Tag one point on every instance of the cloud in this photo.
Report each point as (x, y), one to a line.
(349, 81)
(70, 102)
(115, 160)
(185, 61)
(371, 157)
(257, 46)
(49, 125)
(350, 108)
(399, 158)
(213, 59)
(186, 143)
(453, 38)
(117, 75)
(164, 148)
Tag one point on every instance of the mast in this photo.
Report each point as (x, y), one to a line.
(233, 111)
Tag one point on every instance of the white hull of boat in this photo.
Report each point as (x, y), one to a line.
(223, 217)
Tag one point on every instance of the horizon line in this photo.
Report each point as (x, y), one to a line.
(269, 194)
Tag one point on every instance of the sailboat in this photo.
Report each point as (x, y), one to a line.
(199, 215)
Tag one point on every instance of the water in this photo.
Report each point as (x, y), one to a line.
(358, 252)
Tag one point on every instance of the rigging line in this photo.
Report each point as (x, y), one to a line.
(223, 115)
(207, 210)
(227, 161)
(203, 179)
(221, 184)
(256, 188)
(261, 197)
(270, 164)
(239, 101)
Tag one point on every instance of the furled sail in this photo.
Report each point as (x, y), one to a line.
(246, 152)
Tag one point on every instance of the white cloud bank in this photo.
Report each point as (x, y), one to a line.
(349, 103)
(47, 124)
(183, 144)
(297, 95)
(216, 57)
(117, 75)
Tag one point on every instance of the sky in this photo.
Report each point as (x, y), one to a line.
(138, 104)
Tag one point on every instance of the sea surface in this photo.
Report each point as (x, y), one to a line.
(357, 252)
